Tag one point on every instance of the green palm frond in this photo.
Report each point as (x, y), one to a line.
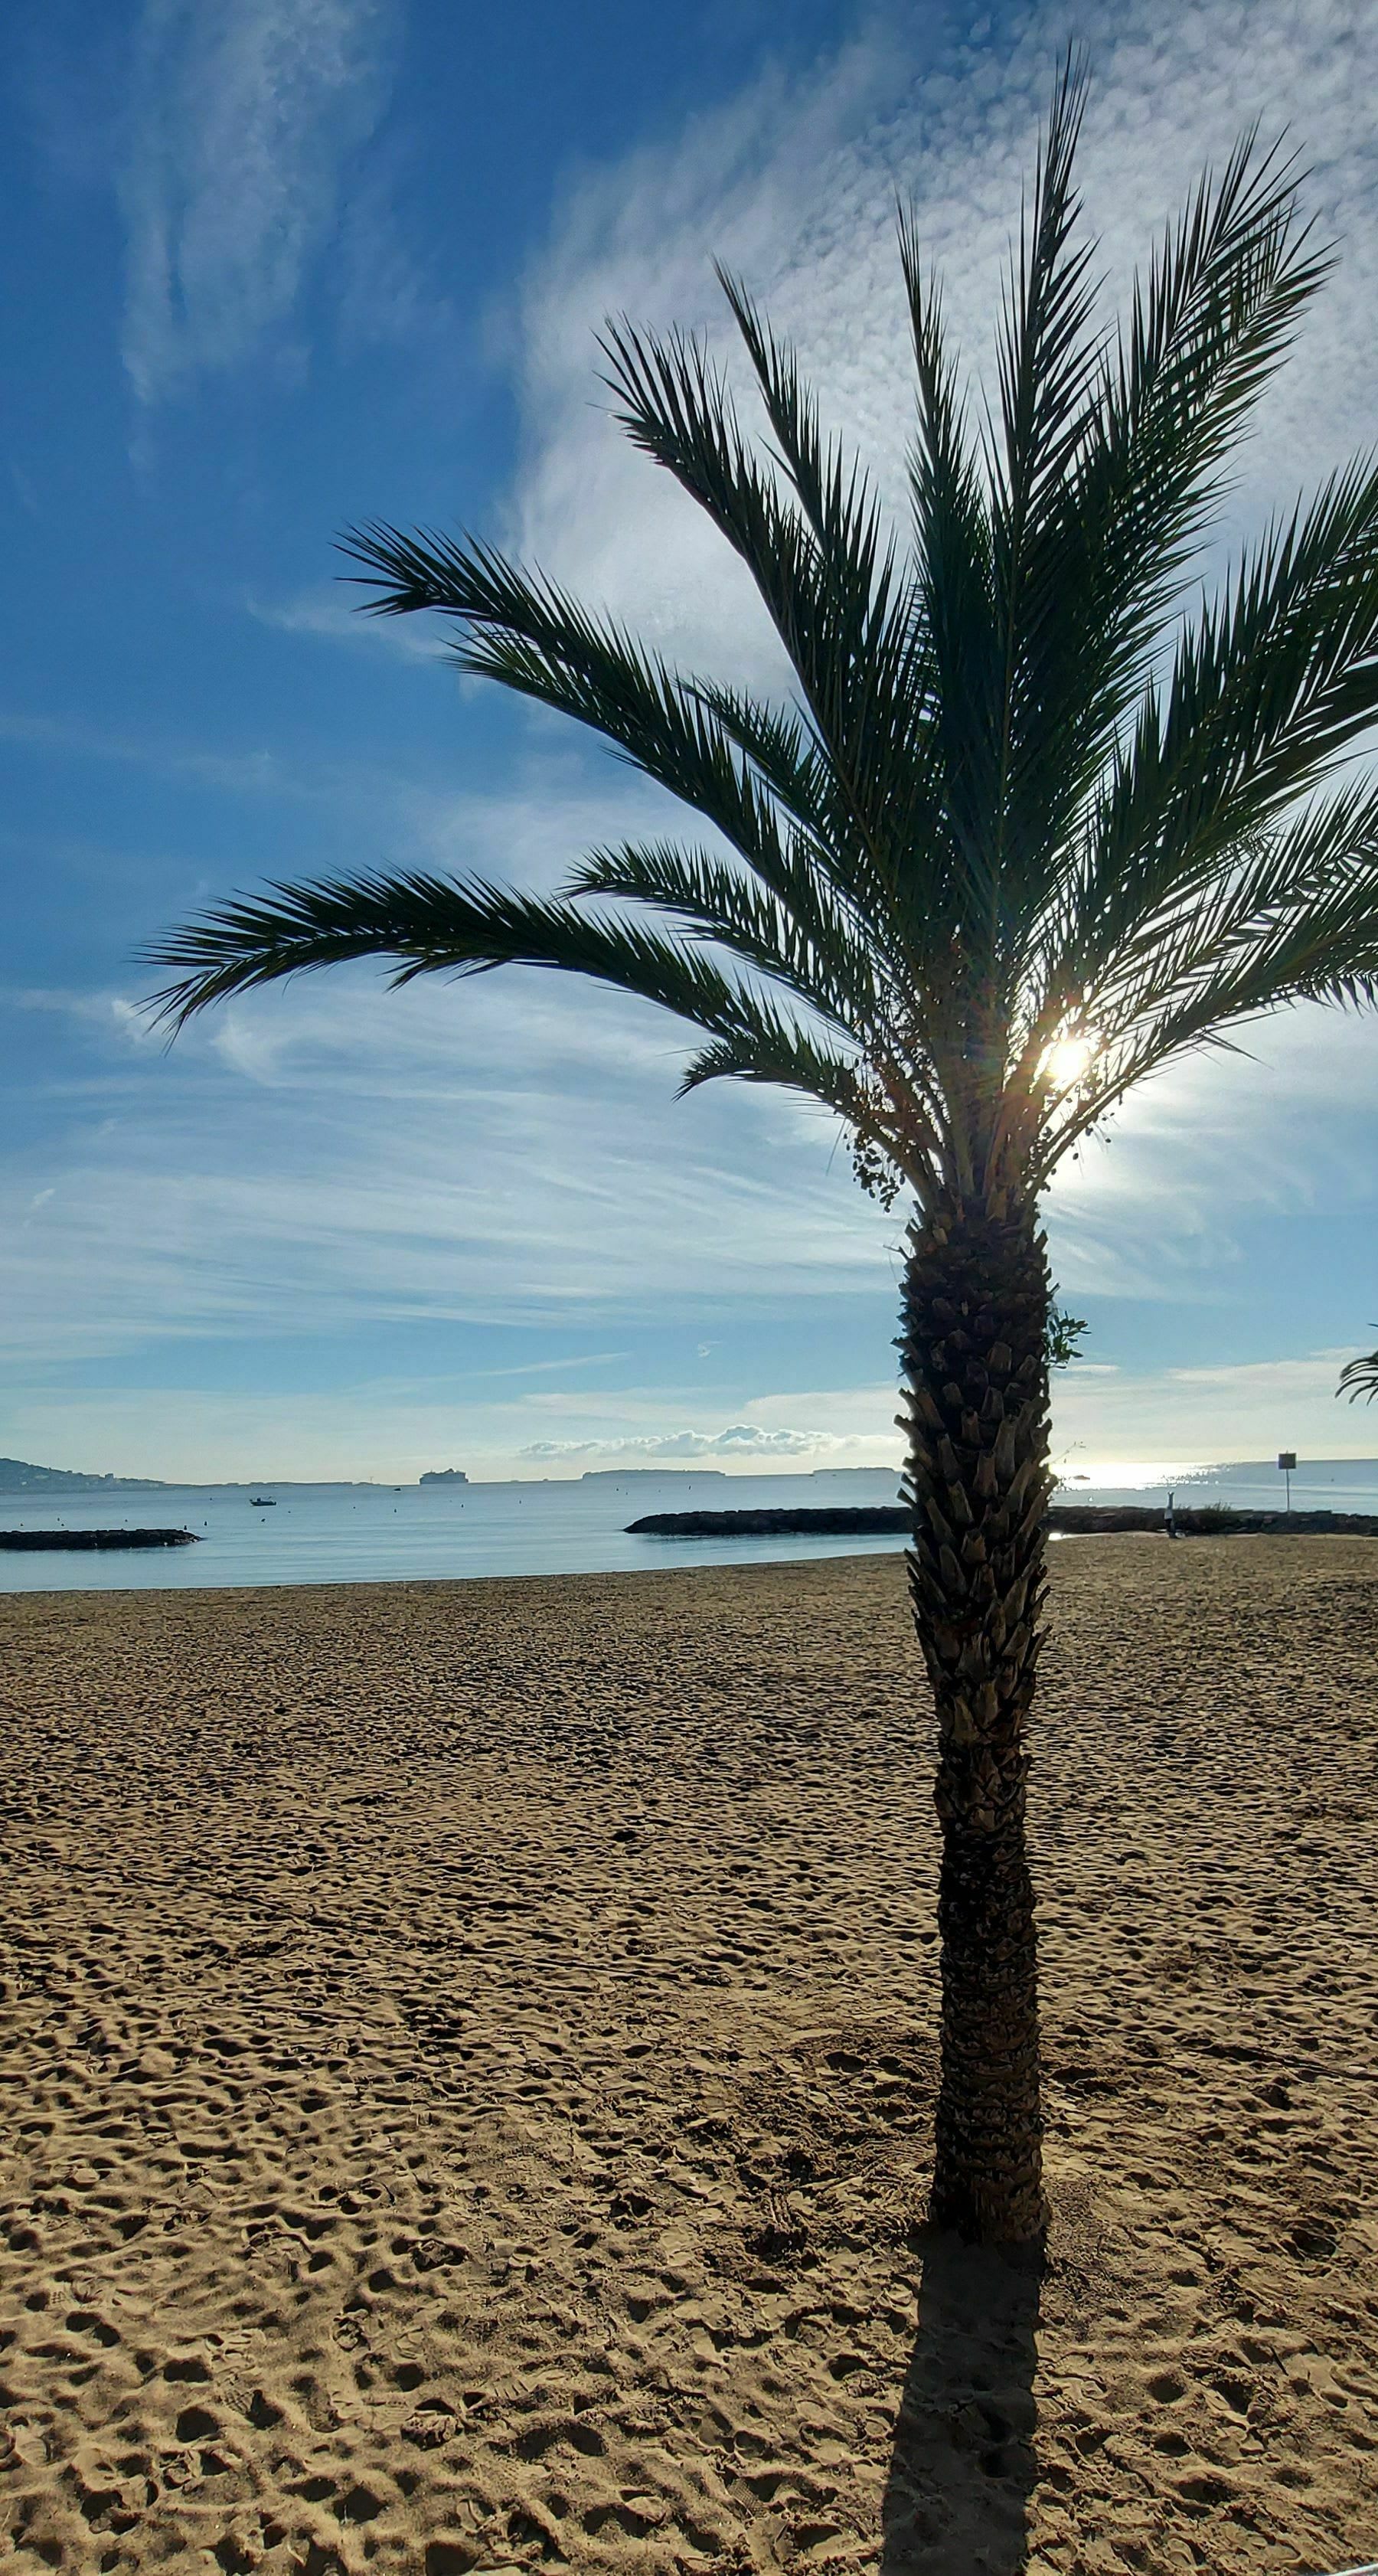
(782, 754)
(1295, 920)
(791, 934)
(956, 616)
(835, 496)
(1272, 683)
(895, 1140)
(1122, 527)
(1046, 356)
(1292, 874)
(431, 925)
(521, 629)
(1001, 798)
(1359, 1378)
(830, 589)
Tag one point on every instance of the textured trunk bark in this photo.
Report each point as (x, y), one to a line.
(976, 1305)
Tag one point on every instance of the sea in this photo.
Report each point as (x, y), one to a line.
(272, 1533)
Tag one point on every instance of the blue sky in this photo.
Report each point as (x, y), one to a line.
(275, 264)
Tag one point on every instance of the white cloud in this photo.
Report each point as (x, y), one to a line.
(384, 1428)
(1136, 1429)
(1249, 1409)
(736, 1440)
(795, 187)
(245, 115)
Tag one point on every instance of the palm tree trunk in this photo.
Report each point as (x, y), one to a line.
(976, 1304)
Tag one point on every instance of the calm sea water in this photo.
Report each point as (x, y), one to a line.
(380, 1533)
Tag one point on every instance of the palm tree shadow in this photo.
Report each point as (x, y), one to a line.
(963, 2464)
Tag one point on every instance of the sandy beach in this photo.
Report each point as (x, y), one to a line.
(470, 2056)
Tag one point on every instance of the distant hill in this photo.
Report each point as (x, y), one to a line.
(626, 1475)
(18, 1477)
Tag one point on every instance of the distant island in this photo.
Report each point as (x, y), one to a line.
(625, 1475)
(18, 1477)
(444, 1476)
(892, 1472)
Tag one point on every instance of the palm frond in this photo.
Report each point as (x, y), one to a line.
(523, 630)
(1206, 331)
(1272, 683)
(836, 498)
(896, 1130)
(782, 753)
(1359, 1378)
(432, 925)
(1045, 361)
(1298, 922)
(790, 933)
(1046, 351)
(1285, 875)
(955, 601)
(824, 577)
(746, 768)
(1000, 801)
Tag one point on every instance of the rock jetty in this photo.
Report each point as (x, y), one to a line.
(99, 1538)
(1083, 1520)
(764, 1524)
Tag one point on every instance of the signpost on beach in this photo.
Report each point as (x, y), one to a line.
(1287, 1459)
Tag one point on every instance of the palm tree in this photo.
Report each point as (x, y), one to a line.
(1024, 832)
(1359, 1378)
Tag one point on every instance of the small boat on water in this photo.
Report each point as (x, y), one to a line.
(264, 1502)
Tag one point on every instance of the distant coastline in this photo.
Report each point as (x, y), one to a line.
(20, 1476)
(17, 1476)
(23, 1480)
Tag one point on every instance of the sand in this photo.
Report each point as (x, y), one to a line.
(470, 2058)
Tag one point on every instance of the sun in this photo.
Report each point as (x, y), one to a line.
(1069, 1060)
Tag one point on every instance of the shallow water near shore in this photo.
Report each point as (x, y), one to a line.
(407, 1533)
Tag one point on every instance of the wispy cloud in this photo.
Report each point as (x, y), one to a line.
(245, 116)
(334, 1154)
(546, 813)
(105, 1015)
(333, 614)
(241, 772)
(1284, 1128)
